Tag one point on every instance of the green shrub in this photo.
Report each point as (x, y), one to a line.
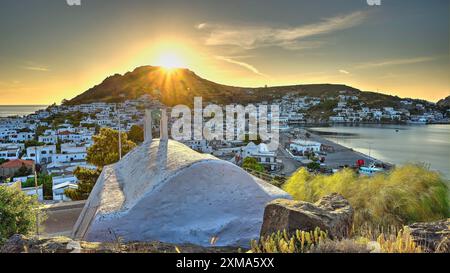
(17, 212)
(252, 164)
(405, 195)
(86, 182)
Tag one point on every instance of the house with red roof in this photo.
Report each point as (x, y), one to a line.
(8, 169)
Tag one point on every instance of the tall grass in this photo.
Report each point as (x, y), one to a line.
(407, 194)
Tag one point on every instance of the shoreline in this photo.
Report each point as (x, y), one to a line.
(342, 156)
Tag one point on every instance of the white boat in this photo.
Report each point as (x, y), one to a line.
(371, 170)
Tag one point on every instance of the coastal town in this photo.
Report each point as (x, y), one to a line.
(55, 140)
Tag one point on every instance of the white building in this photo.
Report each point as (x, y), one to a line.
(66, 158)
(262, 154)
(305, 146)
(21, 137)
(50, 139)
(41, 154)
(10, 151)
(201, 146)
(59, 189)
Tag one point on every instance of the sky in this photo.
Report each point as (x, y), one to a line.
(50, 51)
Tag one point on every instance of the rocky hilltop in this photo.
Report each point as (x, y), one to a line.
(444, 103)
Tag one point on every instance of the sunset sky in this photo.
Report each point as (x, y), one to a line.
(50, 51)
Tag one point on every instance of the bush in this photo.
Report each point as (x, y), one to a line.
(86, 183)
(136, 134)
(400, 243)
(405, 195)
(47, 185)
(252, 164)
(17, 212)
(283, 242)
(317, 241)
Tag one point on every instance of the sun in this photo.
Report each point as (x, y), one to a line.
(170, 60)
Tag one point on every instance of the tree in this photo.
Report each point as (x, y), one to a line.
(313, 166)
(86, 182)
(47, 185)
(136, 134)
(252, 164)
(2, 160)
(22, 171)
(40, 131)
(33, 143)
(17, 212)
(105, 150)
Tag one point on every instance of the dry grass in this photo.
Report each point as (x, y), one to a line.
(405, 195)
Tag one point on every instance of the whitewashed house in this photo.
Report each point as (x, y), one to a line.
(41, 154)
(305, 146)
(48, 139)
(262, 154)
(10, 151)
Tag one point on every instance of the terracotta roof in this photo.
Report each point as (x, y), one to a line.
(17, 163)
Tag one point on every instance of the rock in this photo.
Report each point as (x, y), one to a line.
(432, 236)
(331, 213)
(164, 191)
(24, 244)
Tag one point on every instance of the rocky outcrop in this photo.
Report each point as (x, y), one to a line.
(432, 236)
(331, 213)
(23, 244)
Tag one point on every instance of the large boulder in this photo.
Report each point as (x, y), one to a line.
(331, 213)
(432, 236)
(164, 191)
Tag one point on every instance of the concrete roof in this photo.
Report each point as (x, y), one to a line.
(165, 191)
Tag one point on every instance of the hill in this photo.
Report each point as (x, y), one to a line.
(444, 103)
(180, 86)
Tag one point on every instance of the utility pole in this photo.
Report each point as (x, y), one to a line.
(37, 190)
(120, 135)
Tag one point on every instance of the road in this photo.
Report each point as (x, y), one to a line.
(61, 218)
(289, 164)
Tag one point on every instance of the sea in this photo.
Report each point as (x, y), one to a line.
(397, 144)
(19, 110)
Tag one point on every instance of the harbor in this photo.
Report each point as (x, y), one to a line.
(334, 156)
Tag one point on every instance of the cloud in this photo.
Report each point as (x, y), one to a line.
(201, 26)
(289, 38)
(344, 71)
(30, 65)
(245, 65)
(36, 68)
(397, 62)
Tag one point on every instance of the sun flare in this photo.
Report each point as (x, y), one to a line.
(170, 60)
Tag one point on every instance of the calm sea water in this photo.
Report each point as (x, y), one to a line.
(19, 110)
(398, 144)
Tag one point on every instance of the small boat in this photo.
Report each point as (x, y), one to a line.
(371, 170)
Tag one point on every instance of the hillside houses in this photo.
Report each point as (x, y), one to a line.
(57, 138)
